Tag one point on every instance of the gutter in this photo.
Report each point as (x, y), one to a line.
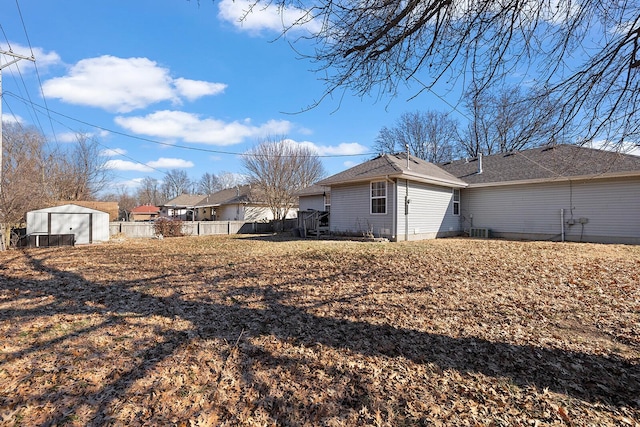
(632, 174)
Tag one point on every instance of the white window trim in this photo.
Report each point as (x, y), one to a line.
(386, 192)
(454, 202)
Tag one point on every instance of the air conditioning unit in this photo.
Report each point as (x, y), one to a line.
(481, 233)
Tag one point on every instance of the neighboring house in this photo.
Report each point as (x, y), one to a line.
(560, 192)
(144, 213)
(391, 197)
(87, 225)
(182, 207)
(240, 203)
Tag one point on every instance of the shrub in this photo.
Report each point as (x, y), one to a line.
(168, 227)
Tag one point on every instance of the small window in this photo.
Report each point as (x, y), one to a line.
(327, 201)
(456, 201)
(379, 197)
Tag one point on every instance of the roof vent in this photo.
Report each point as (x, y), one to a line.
(549, 148)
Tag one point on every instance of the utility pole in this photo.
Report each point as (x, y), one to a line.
(16, 58)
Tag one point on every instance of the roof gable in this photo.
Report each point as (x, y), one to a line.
(70, 208)
(542, 164)
(395, 166)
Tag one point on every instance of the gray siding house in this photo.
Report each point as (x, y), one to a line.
(560, 192)
(395, 197)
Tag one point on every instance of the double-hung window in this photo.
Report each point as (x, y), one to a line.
(379, 197)
(456, 202)
(327, 201)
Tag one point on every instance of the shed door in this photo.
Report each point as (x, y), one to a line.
(70, 223)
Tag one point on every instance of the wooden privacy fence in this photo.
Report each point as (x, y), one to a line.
(195, 228)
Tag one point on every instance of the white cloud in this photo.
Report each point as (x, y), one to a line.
(623, 147)
(169, 163)
(342, 149)
(126, 184)
(161, 163)
(12, 118)
(256, 16)
(194, 89)
(192, 128)
(349, 164)
(113, 152)
(123, 84)
(73, 136)
(126, 165)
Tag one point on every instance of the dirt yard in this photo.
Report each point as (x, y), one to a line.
(263, 331)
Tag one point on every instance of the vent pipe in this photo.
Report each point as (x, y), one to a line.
(479, 162)
(407, 145)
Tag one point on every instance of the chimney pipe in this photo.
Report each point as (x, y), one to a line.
(407, 146)
(479, 162)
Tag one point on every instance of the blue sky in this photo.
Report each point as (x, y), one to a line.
(146, 76)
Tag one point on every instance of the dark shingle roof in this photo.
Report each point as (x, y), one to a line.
(394, 166)
(544, 163)
(314, 190)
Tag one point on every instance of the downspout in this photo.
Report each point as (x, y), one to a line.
(406, 210)
(562, 223)
(395, 209)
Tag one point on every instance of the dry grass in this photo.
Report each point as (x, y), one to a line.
(261, 331)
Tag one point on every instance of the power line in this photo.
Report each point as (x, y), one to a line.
(153, 141)
(26, 34)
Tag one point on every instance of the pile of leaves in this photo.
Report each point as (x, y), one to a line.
(262, 331)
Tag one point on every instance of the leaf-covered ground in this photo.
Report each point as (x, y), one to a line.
(264, 331)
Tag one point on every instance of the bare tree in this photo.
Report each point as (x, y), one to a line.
(585, 54)
(149, 192)
(230, 179)
(430, 136)
(175, 183)
(208, 184)
(280, 168)
(78, 173)
(506, 120)
(23, 182)
(126, 202)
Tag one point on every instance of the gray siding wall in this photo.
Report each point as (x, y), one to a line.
(351, 210)
(610, 207)
(308, 203)
(430, 213)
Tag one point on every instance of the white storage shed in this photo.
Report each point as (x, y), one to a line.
(88, 225)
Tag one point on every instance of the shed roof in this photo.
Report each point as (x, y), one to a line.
(395, 166)
(557, 162)
(70, 208)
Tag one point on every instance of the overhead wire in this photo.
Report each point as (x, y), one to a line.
(35, 64)
(167, 144)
